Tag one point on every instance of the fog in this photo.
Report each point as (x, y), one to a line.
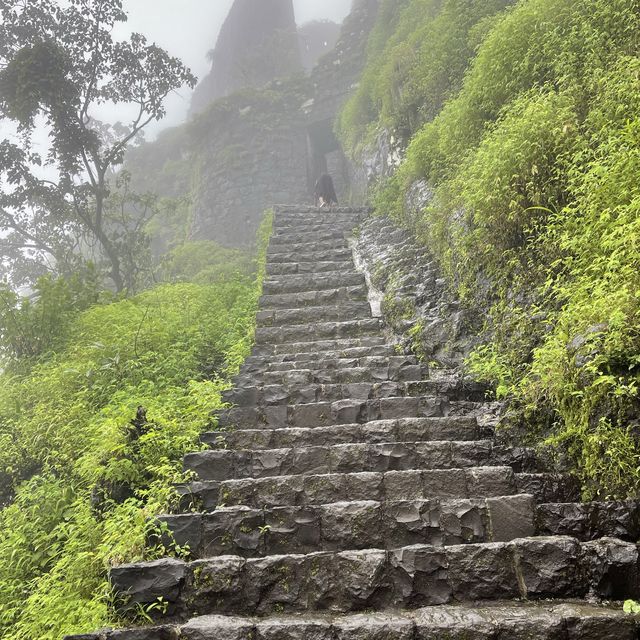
(188, 29)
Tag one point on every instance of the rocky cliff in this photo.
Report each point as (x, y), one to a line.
(258, 43)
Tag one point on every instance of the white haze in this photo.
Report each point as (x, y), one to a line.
(187, 29)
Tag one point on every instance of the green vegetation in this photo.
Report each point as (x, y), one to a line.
(53, 74)
(531, 147)
(84, 469)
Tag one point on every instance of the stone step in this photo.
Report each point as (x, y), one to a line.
(590, 520)
(366, 524)
(303, 211)
(299, 268)
(314, 298)
(342, 311)
(302, 249)
(366, 347)
(337, 330)
(282, 491)
(301, 283)
(377, 431)
(290, 236)
(285, 491)
(309, 216)
(219, 465)
(288, 375)
(323, 365)
(305, 392)
(324, 414)
(312, 256)
(406, 577)
(292, 225)
(552, 620)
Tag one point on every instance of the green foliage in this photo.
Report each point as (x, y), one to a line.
(84, 471)
(205, 262)
(532, 156)
(631, 606)
(31, 327)
(37, 75)
(417, 57)
(57, 64)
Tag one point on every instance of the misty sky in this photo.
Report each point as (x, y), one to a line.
(189, 28)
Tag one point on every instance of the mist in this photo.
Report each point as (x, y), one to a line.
(191, 29)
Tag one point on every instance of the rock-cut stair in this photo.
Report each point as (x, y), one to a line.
(349, 496)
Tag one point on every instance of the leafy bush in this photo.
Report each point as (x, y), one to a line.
(417, 56)
(87, 468)
(533, 163)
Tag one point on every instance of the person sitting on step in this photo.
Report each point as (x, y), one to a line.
(325, 192)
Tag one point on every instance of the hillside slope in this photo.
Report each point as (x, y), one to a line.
(520, 121)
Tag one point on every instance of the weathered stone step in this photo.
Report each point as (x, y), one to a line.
(341, 311)
(553, 620)
(335, 255)
(316, 223)
(294, 333)
(324, 414)
(300, 268)
(289, 375)
(407, 577)
(282, 491)
(368, 524)
(309, 216)
(290, 236)
(590, 520)
(314, 298)
(338, 526)
(377, 431)
(303, 249)
(323, 364)
(299, 283)
(219, 465)
(321, 350)
(305, 392)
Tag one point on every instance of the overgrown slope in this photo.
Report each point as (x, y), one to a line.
(524, 121)
(88, 467)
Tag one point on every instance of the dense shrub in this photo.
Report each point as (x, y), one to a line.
(533, 163)
(86, 468)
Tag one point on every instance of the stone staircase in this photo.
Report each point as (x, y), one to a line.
(349, 496)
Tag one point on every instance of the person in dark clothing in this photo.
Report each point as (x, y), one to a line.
(325, 192)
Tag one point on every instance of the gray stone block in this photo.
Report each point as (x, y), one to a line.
(420, 576)
(217, 628)
(549, 567)
(374, 626)
(612, 567)
(294, 629)
(511, 517)
(482, 572)
(145, 582)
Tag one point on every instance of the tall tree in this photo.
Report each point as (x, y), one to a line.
(58, 62)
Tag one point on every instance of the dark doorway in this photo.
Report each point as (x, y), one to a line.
(321, 143)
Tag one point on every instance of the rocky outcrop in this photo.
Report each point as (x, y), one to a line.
(405, 281)
(346, 479)
(258, 43)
